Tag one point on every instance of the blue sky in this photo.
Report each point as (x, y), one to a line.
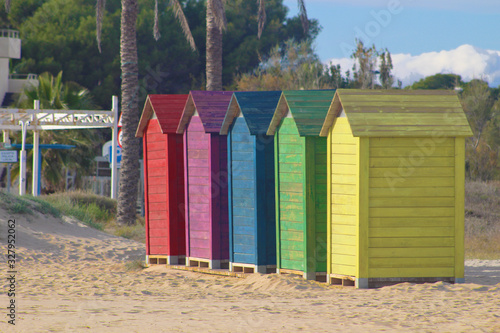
(425, 37)
(413, 26)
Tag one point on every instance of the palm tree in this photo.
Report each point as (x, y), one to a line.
(54, 94)
(129, 172)
(261, 17)
(130, 113)
(216, 23)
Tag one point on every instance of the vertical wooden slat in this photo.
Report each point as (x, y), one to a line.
(277, 190)
(269, 203)
(329, 203)
(215, 198)
(258, 168)
(459, 206)
(230, 193)
(363, 208)
(223, 204)
(176, 217)
(186, 191)
(146, 188)
(310, 256)
(169, 175)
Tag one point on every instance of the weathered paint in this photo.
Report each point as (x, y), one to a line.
(251, 178)
(459, 208)
(301, 189)
(205, 155)
(410, 113)
(396, 203)
(291, 196)
(163, 175)
(343, 199)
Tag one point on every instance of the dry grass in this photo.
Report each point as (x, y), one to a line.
(135, 232)
(482, 220)
(97, 212)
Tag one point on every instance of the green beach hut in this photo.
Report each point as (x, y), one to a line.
(300, 169)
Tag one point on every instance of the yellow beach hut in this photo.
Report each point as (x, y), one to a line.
(395, 185)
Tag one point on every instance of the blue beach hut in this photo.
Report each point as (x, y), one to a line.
(252, 220)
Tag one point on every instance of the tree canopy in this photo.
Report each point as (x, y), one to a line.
(60, 35)
(439, 81)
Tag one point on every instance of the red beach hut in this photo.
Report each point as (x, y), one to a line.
(163, 178)
(205, 179)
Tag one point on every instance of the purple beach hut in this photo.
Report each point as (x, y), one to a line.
(205, 179)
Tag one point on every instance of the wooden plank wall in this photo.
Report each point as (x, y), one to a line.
(343, 198)
(176, 195)
(220, 218)
(199, 191)
(412, 207)
(243, 194)
(319, 239)
(267, 201)
(157, 212)
(291, 196)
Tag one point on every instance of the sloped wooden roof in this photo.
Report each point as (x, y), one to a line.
(211, 107)
(399, 113)
(257, 108)
(168, 110)
(308, 109)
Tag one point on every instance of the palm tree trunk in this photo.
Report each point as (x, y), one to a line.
(214, 51)
(129, 173)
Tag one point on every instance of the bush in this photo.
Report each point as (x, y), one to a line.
(482, 220)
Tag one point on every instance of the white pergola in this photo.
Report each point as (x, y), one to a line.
(37, 120)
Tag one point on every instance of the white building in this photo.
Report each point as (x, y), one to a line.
(10, 48)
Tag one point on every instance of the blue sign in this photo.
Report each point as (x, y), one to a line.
(118, 156)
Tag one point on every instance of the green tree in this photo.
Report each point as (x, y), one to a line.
(364, 65)
(54, 94)
(439, 81)
(291, 66)
(129, 172)
(261, 16)
(243, 50)
(335, 79)
(60, 36)
(386, 78)
(49, 29)
(482, 150)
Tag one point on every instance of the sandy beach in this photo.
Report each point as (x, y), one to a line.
(71, 278)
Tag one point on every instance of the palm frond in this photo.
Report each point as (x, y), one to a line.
(7, 6)
(261, 17)
(156, 29)
(219, 12)
(303, 15)
(179, 14)
(99, 14)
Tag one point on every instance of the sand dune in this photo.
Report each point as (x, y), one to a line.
(72, 278)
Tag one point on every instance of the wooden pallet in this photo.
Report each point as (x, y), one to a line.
(165, 260)
(156, 260)
(317, 276)
(207, 263)
(251, 268)
(341, 280)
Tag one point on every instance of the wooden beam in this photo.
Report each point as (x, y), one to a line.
(459, 208)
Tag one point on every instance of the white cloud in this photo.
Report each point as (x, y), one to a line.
(468, 61)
